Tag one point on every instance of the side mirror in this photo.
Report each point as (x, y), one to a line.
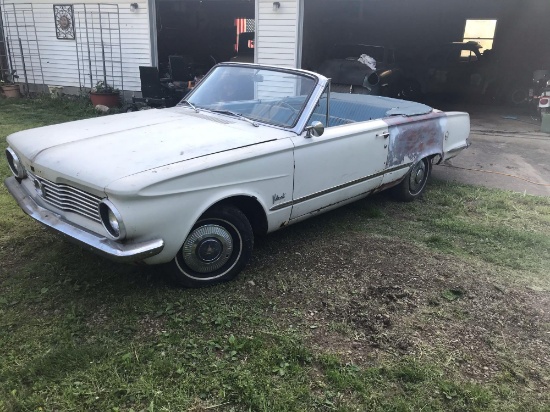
(316, 129)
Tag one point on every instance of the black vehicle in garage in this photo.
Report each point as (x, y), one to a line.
(362, 69)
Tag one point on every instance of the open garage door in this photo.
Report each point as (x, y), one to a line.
(455, 50)
(193, 35)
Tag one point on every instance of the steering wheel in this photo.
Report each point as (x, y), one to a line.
(282, 103)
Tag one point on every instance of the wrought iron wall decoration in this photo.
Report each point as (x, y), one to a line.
(64, 21)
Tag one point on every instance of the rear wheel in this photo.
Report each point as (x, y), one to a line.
(415, 182)
(216, 250)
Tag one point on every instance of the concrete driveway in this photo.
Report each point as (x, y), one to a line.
(508, 152)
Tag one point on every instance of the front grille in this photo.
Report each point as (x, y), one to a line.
(68, 198)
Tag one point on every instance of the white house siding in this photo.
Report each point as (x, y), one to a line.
(59, 58)
(278, 33)
(277, 86)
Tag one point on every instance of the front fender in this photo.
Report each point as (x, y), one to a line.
(166, 202)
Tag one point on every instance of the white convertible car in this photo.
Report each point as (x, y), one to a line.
(250, 150)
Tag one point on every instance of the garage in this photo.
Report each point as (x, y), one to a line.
(430, 47)
(454, 51)
(193, 35)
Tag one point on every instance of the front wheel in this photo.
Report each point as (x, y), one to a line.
(216, 250)
(415, 182)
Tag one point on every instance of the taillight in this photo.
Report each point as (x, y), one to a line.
(543, 101)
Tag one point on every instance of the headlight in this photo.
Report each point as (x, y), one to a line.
(15, 164)
(112, 220)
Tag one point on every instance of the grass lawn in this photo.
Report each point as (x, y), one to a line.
(437, 305)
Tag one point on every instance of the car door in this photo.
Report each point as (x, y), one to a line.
(347, 161)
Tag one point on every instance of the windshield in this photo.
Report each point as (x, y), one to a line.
(264, 95)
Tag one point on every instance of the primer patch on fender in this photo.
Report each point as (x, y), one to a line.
(413, 138)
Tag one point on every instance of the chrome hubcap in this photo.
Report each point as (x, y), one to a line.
(417, 177)
(207, 248)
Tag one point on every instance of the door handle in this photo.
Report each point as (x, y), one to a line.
(385, 135)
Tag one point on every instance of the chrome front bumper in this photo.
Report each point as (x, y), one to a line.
(119, 252)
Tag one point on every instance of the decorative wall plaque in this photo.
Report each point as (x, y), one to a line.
(64, 21)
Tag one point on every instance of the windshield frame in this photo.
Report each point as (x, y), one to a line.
(303, 114)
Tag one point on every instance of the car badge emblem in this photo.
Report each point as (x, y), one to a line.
(277, 197)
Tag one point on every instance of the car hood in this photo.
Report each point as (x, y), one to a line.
(95, 152)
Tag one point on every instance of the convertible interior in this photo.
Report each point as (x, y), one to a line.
(343, 109)
(347, 108)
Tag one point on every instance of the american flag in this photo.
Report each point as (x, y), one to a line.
(243, 25)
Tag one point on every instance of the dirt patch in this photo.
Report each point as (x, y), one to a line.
(150, 326)
(367, 297)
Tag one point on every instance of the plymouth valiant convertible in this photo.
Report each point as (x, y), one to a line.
(250, 150)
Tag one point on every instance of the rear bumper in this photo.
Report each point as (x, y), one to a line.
(120, 252)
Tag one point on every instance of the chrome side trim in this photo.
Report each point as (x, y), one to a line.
(342, 186)
(96, 243)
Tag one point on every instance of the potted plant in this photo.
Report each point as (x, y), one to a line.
(10, 89)
(105, 94)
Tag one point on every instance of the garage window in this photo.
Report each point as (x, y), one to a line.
(481, 31)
